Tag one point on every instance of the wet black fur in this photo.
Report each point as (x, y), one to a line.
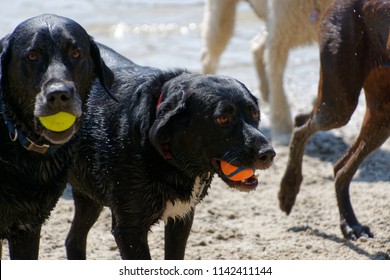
(30, 182)
(122, 164)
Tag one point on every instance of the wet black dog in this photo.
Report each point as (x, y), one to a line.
(48, 64)
(153, 157)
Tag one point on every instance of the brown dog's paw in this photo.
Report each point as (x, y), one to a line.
(353, 232)
(289, 189)
(286, 201)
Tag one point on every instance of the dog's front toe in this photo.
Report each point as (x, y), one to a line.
(286, 201)
(353, 232)
(289, 189)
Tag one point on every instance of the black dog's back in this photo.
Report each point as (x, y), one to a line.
(117, 61)
(108, 121)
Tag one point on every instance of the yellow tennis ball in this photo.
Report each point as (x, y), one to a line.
(58, 122)
(235, 173)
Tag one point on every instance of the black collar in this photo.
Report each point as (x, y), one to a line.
(16, 135)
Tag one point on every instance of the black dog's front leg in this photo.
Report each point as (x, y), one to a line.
(176, 236)
(87, 212)
(132, 241)
(25, 244)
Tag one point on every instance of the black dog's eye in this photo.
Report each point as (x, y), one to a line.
(256, 115)
(222, 120)
(76, 54)
(32, 56)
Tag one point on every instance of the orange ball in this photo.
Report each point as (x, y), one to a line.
(235, 173)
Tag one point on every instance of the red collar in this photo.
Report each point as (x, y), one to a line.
(159, 100)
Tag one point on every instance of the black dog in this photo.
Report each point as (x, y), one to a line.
(153, 157)
(48, 65)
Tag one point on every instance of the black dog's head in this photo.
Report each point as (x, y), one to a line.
(205, 119)
(48, 64)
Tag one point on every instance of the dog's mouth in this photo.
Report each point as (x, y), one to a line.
(245, 185)
(59, 128)
(59, 138)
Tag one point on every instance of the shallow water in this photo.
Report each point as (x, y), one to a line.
(167, 33)
(160, 33)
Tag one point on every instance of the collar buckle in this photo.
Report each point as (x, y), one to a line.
(13, 137)
(42, 149)
(29, 145)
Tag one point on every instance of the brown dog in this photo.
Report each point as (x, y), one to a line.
(355, 54)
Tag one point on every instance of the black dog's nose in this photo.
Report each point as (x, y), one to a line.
(58, 94)
(266, 156)
(58, 97)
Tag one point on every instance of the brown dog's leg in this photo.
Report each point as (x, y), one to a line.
(337, 100)
(26, 245)
(374, 132)
(86, 213)
(176, 236)
(292, 178)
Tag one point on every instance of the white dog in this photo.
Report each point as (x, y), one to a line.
(289, 23)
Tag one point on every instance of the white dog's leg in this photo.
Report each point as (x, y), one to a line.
(258, 48)
(218, 26)
(277, 48)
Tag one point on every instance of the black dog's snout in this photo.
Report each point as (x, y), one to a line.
(58, 94)
(266, 156)
(262, 151)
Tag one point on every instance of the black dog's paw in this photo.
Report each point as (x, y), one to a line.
(353, 232)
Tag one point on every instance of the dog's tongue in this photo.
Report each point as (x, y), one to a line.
(251, 181)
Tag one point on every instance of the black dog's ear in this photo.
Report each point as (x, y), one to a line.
(105, 75)
(4, 44)
(171, 109)
(4, 57)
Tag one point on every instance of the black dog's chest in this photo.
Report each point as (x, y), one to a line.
(181, 208)
(28, 191)
(26, 204)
